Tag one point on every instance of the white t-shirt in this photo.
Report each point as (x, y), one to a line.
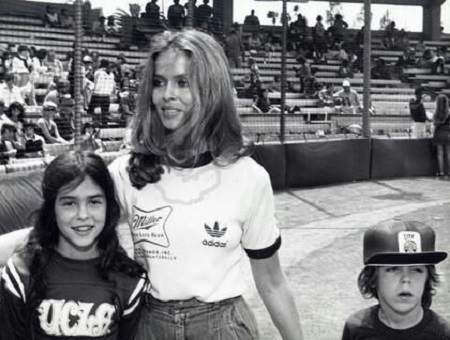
(190, 229)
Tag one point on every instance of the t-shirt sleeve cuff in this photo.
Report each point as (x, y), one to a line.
(259, 254)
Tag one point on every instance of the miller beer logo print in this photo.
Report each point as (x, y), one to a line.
(409, 242)
(149, 226)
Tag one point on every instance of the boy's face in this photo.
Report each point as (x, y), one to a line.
(29, 132)
(7, 134)
(400, 289)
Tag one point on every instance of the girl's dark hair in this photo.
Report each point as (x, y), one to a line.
(71, 169)
(367, 283)
(18, 106)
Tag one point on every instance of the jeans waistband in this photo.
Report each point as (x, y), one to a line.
(186, 304)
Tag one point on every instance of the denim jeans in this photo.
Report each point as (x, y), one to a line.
(195, 320)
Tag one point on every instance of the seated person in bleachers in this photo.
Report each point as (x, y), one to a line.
(39, 66)
(390, 35)
(54, 65)
(401, 41)
(48, 128)
(434, 60)
(326, 96)
(10, 93)
(345, 70)
(14, 115)
(62, 90)
(51, 17)
(7, 149)
(409, 57)
(99, 27)
(275, 85)
(34, 143)
(65, 19)
(65, 118)
(254, 42)
(22, 67)
(381, 70)
(262, 104)
(351, 103)
(90, 140)
(312, 87)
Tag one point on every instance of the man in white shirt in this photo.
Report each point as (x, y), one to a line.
(10, 93)
(350, 98)
(104, 87)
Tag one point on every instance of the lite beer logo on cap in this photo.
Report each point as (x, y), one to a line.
(409, 242)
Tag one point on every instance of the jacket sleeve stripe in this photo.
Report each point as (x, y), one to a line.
(137, 290)
(17, 278)
(12, 280)
(132, 308)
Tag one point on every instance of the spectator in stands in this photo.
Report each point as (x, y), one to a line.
(349, 98)
(255, 76)
(390, 35)
(123, 67)
(381, 70)
(418, 114)
(300, 26)
(34, 143)
(39, 66)
(127, 101)
(441, 135)
(302, 72)
(191, 6)
(320, 42)
(409, 57)
(254, 42)
(204, 13)
(175, 15)
(104, 88)
(262, 103)
(99, 27)
(89, 138)
(62, 90)
(401, 41)
(7, 149)
(152, 11)
(345, 70)
(326, 96)
(53, 64)
(112, 27)
(51, 17)
(339, 29)
(66, 19)
(65, 119)
(234, 48)
(7, 58)
(47, 125)
(216, 24)
(22, 66)
(311, 87)
(14, 115)
(420, 46)
(10, 93)
(252, 20)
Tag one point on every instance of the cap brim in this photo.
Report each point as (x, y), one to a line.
(405, 259)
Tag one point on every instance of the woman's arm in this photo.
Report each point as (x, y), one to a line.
(273, 288)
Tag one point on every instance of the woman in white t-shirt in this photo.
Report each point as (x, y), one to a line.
(196, 202)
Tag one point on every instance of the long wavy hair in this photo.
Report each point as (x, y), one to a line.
(71, 169)
(442, 111)
(368, 278)
(213, 124)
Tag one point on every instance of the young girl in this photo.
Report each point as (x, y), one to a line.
(196, 203)
(72, 279)
(399, 258)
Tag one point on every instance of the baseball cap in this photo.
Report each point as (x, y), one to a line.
(398, 242)
(50, 105)
(346, 82)
(87, 59)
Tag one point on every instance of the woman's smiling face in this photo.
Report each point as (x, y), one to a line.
(171, 94)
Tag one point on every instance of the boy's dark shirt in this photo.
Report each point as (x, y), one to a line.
(366, 325)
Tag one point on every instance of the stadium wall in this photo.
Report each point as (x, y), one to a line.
(290, 165)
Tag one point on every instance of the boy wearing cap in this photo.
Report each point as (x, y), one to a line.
(399, 258)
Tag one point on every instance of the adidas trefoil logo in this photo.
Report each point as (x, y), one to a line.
(215, 231)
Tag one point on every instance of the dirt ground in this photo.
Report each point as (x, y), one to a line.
(322, 230)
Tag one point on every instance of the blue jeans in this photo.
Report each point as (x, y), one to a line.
(194, 320)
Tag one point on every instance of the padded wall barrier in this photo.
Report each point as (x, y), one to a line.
(20, 196)
(327, 162)
(272, 157)
(402, 158)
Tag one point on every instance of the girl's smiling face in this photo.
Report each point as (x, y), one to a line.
(171, 94)
(80, 214)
